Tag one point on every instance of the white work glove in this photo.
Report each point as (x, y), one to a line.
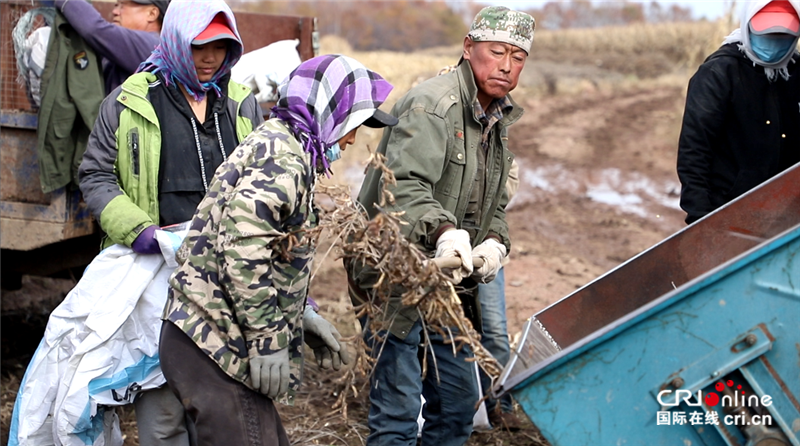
(455, 243)
(270, 373)
(492, 254)
(324, 339)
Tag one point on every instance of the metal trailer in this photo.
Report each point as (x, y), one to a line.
(714, 309)
(44, 234)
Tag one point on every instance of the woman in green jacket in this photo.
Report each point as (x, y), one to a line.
(157, 141)
(161, 135)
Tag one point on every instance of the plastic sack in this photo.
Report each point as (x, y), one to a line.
(30, 50)
(170, 239)
(100, 349)
(35, 54)
(262, 70)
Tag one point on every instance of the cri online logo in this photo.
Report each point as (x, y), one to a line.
(712, 399)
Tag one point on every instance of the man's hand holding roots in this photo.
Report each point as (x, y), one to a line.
(455, 243)
(492, 252)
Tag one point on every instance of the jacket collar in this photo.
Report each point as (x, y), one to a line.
(134, 95)
(469, 94)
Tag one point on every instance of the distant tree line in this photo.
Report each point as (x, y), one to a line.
(409, 25)
(585, 14)
(398, 25)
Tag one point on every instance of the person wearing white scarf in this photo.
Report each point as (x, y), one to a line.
(741, 124)
(743, 39)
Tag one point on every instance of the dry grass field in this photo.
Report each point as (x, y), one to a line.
(561, 63)
(597, 148)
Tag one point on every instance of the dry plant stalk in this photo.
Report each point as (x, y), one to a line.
(379, 243)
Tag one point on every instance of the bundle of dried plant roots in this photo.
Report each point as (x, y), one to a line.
(378, 243)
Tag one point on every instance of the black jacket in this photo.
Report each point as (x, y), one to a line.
(738, 130)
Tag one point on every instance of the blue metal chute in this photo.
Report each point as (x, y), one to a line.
(714, 307)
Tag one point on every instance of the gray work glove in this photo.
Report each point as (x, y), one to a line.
(455, 243)
(324, 339)
(270, 373)
(492, 254)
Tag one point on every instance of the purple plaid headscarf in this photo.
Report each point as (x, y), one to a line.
(325, 98)
(184, 20)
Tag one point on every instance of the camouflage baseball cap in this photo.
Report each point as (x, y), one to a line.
(500, 24)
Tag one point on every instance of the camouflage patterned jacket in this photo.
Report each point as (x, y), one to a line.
(237, 294)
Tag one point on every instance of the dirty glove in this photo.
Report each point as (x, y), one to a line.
(455, 243)
(146, 242)
(270, 373)
(323, 338)
(492, 252)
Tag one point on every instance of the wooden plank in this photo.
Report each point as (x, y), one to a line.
(55, 211)
(24, 235)
(19, 167)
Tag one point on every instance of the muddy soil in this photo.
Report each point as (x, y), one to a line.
(598, 186)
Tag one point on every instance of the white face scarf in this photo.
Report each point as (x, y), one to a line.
(742, 36)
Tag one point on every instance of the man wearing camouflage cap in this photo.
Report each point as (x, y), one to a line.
(450, 158)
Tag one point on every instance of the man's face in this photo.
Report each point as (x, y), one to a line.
(496, 66)
(132, 15)
(208, 58)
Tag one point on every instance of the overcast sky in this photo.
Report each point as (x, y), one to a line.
(710, 9)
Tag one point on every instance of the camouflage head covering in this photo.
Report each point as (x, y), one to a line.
(500, 24)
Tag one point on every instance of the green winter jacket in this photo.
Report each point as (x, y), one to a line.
(72, 90)
(126, 211)
(433, 154)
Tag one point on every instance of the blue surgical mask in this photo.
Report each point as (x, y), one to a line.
(333, 152)
(771, 48)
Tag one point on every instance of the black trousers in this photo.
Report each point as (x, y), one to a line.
(224, 411)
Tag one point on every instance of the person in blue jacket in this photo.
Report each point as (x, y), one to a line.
(123, 43)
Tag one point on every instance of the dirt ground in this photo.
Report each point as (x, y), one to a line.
(597, 151)
(598, 187)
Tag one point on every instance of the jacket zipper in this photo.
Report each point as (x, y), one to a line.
(135, 136)
(135, 151)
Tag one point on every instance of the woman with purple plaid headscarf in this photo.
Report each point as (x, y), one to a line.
(326, 98)
(237, 314)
